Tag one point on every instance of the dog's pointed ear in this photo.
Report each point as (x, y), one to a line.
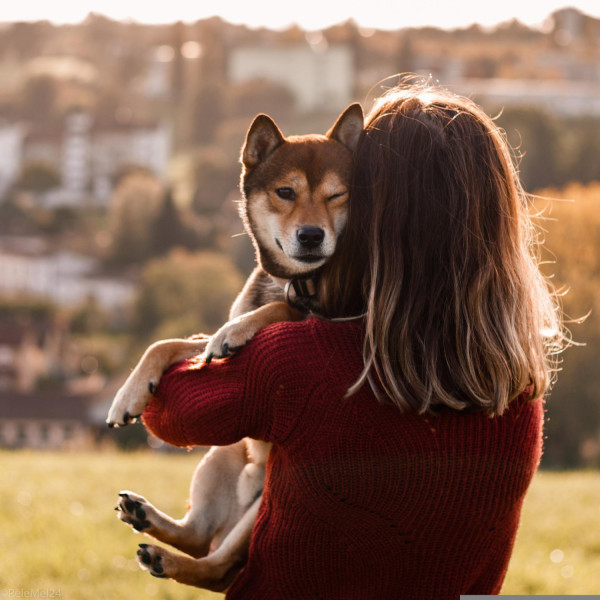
(262, 138)
(348, 127)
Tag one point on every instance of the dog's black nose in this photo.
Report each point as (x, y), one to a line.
(310, 236)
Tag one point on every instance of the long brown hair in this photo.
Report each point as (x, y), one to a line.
(439, 252)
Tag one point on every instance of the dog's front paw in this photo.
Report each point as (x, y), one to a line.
(130, 401)
(230, 338)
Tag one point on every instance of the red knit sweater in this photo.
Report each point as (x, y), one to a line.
(361, 501)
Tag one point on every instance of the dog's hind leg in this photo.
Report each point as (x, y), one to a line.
(214, 507)
(214, 572)
(136, 511)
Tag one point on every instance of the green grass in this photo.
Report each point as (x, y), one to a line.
(58, 530)
(558, 545)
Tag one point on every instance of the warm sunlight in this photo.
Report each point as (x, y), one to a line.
(314, 14)
(167, 166)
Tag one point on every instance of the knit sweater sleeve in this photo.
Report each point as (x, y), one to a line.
(221, 403)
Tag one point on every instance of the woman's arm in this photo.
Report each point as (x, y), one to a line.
(208, 404)
(252, 394)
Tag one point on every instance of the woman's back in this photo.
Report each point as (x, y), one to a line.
(361, 499)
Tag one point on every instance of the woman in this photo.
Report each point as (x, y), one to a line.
(403, 440)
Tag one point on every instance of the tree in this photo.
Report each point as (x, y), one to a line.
(208, 112)
(89, 318)
(167, 230)
(406, 54)
(185, 293)
(39, 99)
(572, 229)
(215, 176)
(534, 134)
(38, 177)
(13, 218)
(583, 164)
(134, 207)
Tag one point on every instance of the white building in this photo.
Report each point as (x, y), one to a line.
(88, 157)
(67, 278)
(76, 154)
(113, 149)
(318, 77)
(571, 99)
(11, 154)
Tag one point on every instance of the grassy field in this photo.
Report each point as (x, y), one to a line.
(59, 535)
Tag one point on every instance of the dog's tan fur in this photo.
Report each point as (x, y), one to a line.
(295, 192)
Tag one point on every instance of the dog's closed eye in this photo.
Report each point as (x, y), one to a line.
(338, 195)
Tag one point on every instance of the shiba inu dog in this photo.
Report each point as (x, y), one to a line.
(294, 197)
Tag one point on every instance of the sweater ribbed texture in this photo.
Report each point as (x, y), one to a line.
(361, 501)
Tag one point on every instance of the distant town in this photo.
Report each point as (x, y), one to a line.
(119, 147)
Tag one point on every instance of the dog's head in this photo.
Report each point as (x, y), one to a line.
(295, 192)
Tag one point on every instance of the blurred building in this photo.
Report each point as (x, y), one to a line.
(11, 149)
(53, 419)
(76, 157)
(28, 352)
(44, 421)
(29, 268)
(89, 157)
(49, 399)
(570, 99)
(316, 76)
(121, 146)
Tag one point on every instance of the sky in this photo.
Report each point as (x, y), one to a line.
(309, 14)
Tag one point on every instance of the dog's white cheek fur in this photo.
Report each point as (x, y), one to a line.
(265, 224)
(339, 223)
(267, 230)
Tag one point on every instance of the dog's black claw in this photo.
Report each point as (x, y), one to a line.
(209, 358)
(157, 575)
(123, 494)
(143, 546)
(225, 349)
(110, 425)
(126, 418)
(151, 387)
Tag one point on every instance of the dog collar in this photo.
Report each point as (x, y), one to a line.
(300, 292)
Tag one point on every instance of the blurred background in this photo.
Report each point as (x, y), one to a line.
(119, 145)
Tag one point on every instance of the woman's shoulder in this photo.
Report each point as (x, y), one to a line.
(311, 328)
(304, 346)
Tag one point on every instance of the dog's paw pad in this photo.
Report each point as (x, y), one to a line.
(133, 510)
(150, 558)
